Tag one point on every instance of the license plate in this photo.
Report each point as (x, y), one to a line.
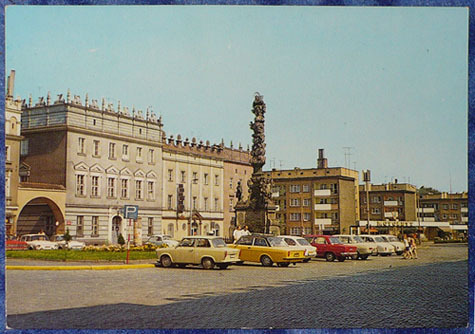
(296, 254)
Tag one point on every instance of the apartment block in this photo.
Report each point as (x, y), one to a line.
(444, 207)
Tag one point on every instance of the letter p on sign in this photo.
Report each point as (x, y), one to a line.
(131, 211)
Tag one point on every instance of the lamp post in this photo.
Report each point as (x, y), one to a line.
(191, 203)
(367, 179)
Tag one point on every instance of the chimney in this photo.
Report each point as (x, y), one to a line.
(321, 161)
(11, 84)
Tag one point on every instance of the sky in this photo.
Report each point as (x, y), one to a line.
(378, 88)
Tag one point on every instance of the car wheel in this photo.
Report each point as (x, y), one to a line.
(354, 257)
(364, 257)
(223, 266)
(306, 260)
(341, 259)
(399, 253)
(330, 257)
(283, 264)
(266, 261)
(31, 248)
(166, 261)
(207, 263)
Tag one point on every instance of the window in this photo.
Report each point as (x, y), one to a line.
(205, 176)
(7, 153)
(170, 175)
(445, 206)
(111, 150)
(95, 151)
(95, 186)
(151, 156)
(305, 188)
(183, 178)
(95, 226)
(125, 152)
(376, 199)
(80, 185)
(216, 180)
(170, 202)
(216, 204)
(323, 186)
(150, 226)
(80, 226)
(81, 145)
(294, 202)
(295, 188)
(151, 190)
(205, 204)
(24, 147)
(231, 183)
(306, 202)
(139, 154)
(194, 202)
(375, 211)
(138, 189)
(7, 184)
(295, 231)
(231, 206)
(294, 216)
(335, 215)
(455, 206)
(195, 177)
(306, 216)
(111, 187)
(124, 188)
(334, 188)
(444, 216)
(323, 201)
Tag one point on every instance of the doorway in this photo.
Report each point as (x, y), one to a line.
(116, 228)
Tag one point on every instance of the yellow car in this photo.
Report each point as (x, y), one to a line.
(208, 251)
(267, 250)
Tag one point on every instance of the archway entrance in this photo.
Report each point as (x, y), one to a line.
(40, 215)
(116, 229)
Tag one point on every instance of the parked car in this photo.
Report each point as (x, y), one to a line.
(331, 248)
(160, 240)
(72, 244)
(13, 244)
(364, 249)
(384, 248)
(208, 251)
(38, 241)
(267, 250)
(393, 240)
(300, 242)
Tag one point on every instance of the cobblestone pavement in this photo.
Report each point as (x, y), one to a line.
(380, 292)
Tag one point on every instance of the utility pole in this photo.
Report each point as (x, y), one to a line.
(348, 155)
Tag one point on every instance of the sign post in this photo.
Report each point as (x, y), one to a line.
(130, 212)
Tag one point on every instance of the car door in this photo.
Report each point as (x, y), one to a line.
(202, 248)
(321, 244)
(184, 252)
(244, 244)
(260, 246)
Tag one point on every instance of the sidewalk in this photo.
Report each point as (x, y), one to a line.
(29, 264)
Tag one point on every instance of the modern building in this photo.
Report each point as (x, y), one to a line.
(445, 207)
(390, 204)
(104, 158)
(317, 200)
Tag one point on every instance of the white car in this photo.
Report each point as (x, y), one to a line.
(38, 241)
(302, 243)
(161, 239)
(383, 248)
(393, 240)
(365, 249)
(62, 244)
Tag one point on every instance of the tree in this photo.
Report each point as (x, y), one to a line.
(121, 240)
(67, 237)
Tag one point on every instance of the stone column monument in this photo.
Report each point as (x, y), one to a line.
(258, 212)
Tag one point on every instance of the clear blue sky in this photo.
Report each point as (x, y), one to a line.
(389, 82)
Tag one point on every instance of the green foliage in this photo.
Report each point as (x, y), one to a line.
(67, 237)
(81, 255)
(121, 240)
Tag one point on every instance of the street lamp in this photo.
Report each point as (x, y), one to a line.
(367, 179)
(194, 180)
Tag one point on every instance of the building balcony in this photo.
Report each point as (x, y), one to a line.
(428, 219)
(425, 210)
(464, 210)
(276, 194)
(394, 214)
(323, 207)
(323, 221)
(465, 219)
(322, 192)
(391, 203)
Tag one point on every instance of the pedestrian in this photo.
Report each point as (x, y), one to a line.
(407, 247)
(246, 231)
(413, 246)
(237, 233)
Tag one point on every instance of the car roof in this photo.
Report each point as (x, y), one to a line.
(291, 236)
(202, 237)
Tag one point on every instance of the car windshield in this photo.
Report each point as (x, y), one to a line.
(59, 238)
(379, 239)
(357, 239)
(39, 237)
(276, 242)
(393, 238)
(335, 240)
(303, 242)
(166, 237)
(218, 242)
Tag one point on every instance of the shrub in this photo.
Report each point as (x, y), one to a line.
(121, 240)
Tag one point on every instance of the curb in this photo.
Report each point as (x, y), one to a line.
(98, 267)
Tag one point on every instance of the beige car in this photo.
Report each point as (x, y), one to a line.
(365, 249)
(208, 251)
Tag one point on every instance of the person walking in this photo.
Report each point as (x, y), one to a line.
(413, 246)
(407, 247)
(237, 233)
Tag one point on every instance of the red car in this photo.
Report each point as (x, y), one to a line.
(15, 245)
(331, 248)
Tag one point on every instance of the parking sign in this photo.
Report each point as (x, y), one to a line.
(131, 211)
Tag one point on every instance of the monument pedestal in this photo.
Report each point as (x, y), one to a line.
(258, 220)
